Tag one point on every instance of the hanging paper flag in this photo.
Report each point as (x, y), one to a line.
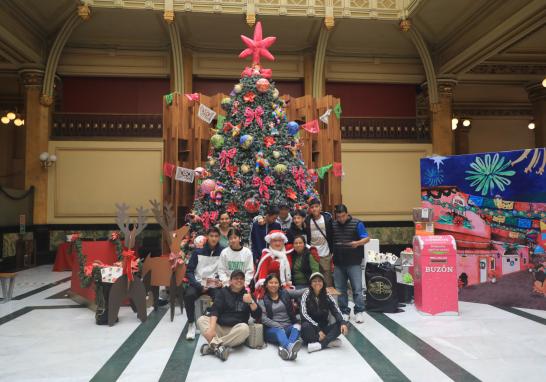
(337, 169)
(220, 121)
(169, 99)
(206, 113)
(321, 171)
(185, 174)
(312, 127)
(168, 169)
(337, 110)
(324, 117)
(192, 96)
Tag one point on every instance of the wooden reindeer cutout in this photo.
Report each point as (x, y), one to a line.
(167, 270)
(128, 286)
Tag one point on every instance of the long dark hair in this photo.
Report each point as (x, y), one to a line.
(322, 296)
(270, 277)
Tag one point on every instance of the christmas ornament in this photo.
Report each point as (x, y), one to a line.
(280, 169)
(200, 172)
(220, 121)
(232, 208)
(207, 186)
(226, 103)
(276, 154)
(245, 168)
(200, 241)
(252, 205)
(269, 141)
(227, 127)
(254, 115)
(217, 141)
(293, 128)
(275, 93)
(262, 85)
(238, 88)
(258, 46)
(246, 141)
(249, 97)
(236, 131)
(212, 162)
(291, 194)
(217, 194)
(261, 162)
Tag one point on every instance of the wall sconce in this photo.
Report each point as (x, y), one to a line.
(531, 125)
(47, 159)
(12, 117)
(544, 82)
(454, 123)
(466, 122)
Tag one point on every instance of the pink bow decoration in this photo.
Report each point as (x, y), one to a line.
(256, 115)
(266, 73)
(262, 187)
(248, 72)
(299, 177)
(208, 218)
(192, 96)
(227, 156)
(312, 126)
(176, 259)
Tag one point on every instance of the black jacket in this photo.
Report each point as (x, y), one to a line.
(294, 231)
(327, 223)
(286, 300)
(317, 315)
(230, 308)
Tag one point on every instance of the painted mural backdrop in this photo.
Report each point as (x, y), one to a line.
(494, 204)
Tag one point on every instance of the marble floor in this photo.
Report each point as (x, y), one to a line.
(47, 337)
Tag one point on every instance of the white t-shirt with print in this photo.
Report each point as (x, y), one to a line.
(317, 239)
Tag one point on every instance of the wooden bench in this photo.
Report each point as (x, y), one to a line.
(7, 292)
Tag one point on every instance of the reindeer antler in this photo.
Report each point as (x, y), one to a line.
(163, 219)
(123, 221)
(170, 216)
(141, 220)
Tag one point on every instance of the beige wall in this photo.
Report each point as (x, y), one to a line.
(382, 180)
(91, 176)
(500, 135)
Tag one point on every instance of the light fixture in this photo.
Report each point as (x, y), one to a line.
(453, 126)
(11, 115)
(544, 82)
(18, 122)
(531, 125)
(5, 120)
(454, 121)
(47, 159)
(466, 123)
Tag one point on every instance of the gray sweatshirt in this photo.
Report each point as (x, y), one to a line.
(281, 319)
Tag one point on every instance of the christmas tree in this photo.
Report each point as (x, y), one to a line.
(254, 155)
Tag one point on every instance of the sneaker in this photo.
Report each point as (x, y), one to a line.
(346, 317)
(314, 346)
(222, 352)
(335, 343)
(284, 353)
(206, 349)
(359, 318)
(294, 348)
(190, 335)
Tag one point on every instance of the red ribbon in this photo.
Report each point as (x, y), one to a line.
(299, 177)
(128, 258)
(248, 72)
(208, 218)
(226, 156)
(256, 115)
(262, 187)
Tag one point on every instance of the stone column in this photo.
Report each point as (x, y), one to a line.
(440, 119)
(537, 96)
(37, 130)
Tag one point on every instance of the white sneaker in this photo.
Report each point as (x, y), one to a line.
(359, 318)
(335, 343)
(190, 335)
(346, 317)
(314, 346)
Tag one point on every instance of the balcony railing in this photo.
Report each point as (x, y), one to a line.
(106, 125)
(412, 129)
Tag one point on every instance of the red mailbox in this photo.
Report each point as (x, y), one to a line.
(435, 274)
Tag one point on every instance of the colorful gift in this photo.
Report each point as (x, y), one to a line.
(110, 274)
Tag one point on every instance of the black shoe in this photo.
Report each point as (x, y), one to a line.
(222, 352)
(284, 354)
(206, 349)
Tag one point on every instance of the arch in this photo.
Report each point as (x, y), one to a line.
(432, 83)
(320, 58)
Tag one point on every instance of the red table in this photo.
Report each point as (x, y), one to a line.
(104, 251)
(64, 258)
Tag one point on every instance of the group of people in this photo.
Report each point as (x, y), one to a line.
(283, 281)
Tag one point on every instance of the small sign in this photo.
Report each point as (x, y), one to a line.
(206, 113)
(185, 174)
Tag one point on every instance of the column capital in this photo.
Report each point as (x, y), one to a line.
(84, 12)
(446, 86)
(536, 92)
(32, 77)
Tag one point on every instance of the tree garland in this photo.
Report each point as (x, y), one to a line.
(93, 270)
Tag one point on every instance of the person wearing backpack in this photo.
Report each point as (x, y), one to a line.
(318, 226)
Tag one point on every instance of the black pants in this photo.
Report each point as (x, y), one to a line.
(310, 333)
(191, 295)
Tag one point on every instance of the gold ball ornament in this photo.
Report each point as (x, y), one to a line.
(245, 168)
(280, 168)
(276, 154)
(262, 85)
(212, 161)
(275, 93)
(238, 88)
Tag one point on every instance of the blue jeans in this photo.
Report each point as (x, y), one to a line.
(280, 336)
(353, 273)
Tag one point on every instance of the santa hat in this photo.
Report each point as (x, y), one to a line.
(275, 234)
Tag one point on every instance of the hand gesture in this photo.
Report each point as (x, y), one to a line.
(354, 244)
(247, 298)
(344, 329)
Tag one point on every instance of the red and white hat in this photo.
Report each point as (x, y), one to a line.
(276, 234)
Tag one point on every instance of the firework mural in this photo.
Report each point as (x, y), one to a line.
(488, 174)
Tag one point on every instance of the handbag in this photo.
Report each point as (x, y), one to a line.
(255, 338)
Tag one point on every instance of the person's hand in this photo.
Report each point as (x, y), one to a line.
(288, 285)
(261, 221)
(321, 335)
(218, 283)
(210, 334)
(344, 329)
(247, 298)
(354, 244)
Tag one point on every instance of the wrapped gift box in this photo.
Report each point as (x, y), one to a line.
(111, 274)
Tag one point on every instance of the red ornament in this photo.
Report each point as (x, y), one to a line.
(262, 85)
(269, 141)
(252, 205)
(232, 208)
(249, 97)
(290, 194)
(232, 170)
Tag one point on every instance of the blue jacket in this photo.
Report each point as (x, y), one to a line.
(257, 236)
(194, 260)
